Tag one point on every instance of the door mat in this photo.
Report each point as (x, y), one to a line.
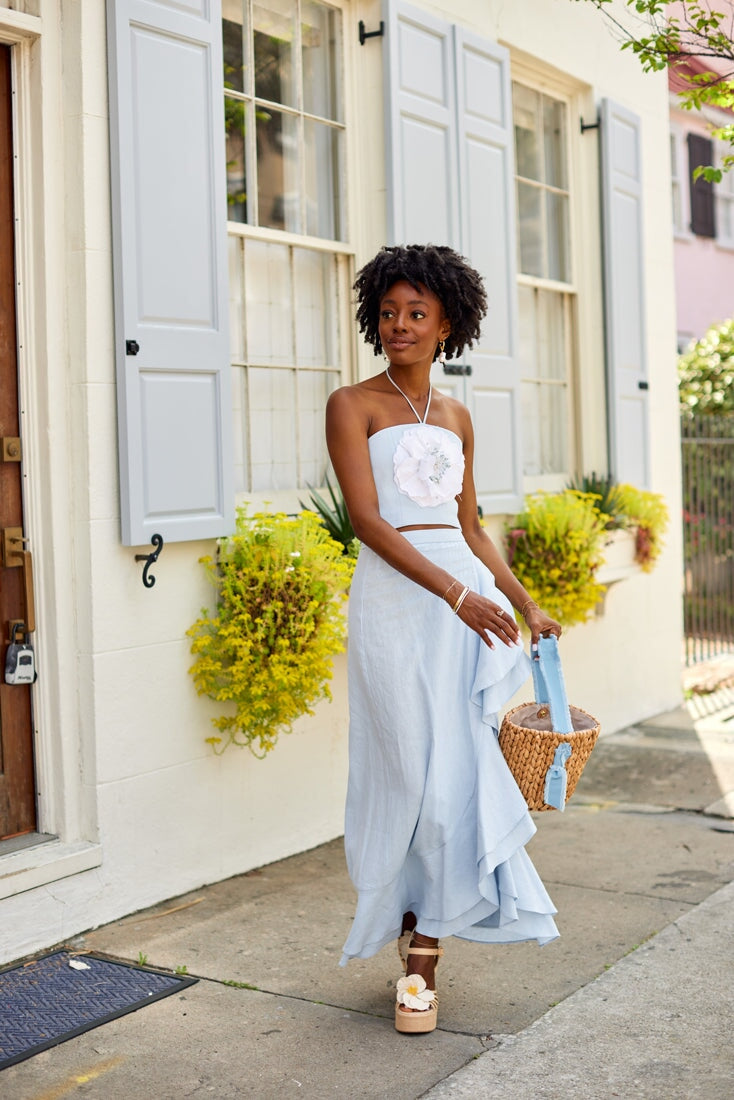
(62, 994)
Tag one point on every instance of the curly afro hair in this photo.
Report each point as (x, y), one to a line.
(456, 284)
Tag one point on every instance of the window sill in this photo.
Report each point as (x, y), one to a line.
(724, 246)
(45, 862)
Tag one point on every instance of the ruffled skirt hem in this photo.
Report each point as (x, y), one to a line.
(435, 822)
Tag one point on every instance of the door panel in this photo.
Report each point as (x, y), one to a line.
(17, 792)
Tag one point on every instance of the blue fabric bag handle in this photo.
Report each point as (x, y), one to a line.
(548, 682)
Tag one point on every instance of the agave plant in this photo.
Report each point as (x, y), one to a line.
(601, 486)
(334, 516)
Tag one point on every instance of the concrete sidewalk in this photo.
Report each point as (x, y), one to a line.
(634, 1000)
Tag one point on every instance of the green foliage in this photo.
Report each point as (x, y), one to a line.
(706, 372)
(335, 517)
(267, 648)
(669, 37)
(623, 507)
(600, 486)
(556, 545)
(647, 514)
(555, 548)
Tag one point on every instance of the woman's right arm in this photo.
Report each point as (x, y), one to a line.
(347, 425)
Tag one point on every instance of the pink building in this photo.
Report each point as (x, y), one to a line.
(703, 219)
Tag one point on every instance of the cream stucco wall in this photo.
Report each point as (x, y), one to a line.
(142, 808)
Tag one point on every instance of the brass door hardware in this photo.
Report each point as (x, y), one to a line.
(10, 448)
(14, 556)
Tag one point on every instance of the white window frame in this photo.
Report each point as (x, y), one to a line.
(558, 90)
(679, 179)
(724, 194)
(290, 499)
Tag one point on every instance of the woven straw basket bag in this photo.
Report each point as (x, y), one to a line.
(546, 743)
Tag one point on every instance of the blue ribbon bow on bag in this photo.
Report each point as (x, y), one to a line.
(556, 778)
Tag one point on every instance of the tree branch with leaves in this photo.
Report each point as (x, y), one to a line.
(685, 36)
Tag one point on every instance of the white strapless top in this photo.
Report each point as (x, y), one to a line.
(419, 472)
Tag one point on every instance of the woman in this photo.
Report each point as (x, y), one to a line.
(435, 824)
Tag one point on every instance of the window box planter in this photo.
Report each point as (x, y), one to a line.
(619, 557)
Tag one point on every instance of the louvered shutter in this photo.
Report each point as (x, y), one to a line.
(169, 239)
(624, 295)
(703, 206)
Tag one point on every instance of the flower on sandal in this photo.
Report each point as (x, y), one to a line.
(429, 465)
(413, 993)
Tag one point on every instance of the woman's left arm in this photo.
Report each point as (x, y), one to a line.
(483, 548)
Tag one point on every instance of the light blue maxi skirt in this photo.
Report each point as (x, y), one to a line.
(435, 822)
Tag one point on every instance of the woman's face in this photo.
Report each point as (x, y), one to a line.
(412, 324)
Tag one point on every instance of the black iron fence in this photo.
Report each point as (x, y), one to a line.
(708, 535)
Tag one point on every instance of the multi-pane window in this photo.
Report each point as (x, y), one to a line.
(289, 267)
(545, 285)
(287, 337)
(284, 115)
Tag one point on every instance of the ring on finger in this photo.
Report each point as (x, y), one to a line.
(500, 613)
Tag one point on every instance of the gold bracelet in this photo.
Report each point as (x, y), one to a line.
(449, 589)
(526, 606)
(459, 602)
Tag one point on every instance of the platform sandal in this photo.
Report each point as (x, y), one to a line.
(412, 993)
(403, 944)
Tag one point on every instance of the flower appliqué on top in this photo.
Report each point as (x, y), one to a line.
(429, 466)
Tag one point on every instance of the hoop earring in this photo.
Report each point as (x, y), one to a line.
(442, 352)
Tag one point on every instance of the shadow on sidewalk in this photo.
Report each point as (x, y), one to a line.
(274, 1016)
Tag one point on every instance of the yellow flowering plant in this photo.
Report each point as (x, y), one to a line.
(267, 647)
(555, 547)
(647, 515)
(627, 508)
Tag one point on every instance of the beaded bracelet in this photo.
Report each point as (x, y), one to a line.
(459, 602)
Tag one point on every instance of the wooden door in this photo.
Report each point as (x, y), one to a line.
(17, 784)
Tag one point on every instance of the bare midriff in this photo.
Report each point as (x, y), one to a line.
(427, 527)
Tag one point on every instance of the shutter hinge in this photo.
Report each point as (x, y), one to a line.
(132, 347)
(364, 34)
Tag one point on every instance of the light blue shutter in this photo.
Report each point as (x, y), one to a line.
(422, 181)
(450, 180)
(169, 239)
(421, 147)
(488, 239)
(624, 295)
